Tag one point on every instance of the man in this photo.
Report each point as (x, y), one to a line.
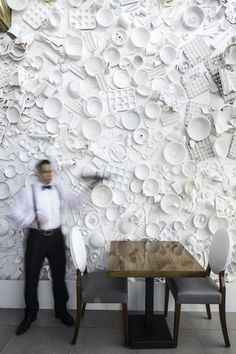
(39, 208)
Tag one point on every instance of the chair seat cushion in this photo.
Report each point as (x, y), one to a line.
(194, 290)
(98, 287)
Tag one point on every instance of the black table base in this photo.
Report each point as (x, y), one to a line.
(157, 336)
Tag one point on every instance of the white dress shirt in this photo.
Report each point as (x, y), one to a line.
(49, 204)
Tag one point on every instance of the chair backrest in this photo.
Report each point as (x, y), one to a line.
(220, 252)
(78, 249)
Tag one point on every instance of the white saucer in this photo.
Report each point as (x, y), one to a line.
(101, 196)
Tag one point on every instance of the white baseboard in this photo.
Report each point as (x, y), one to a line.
(12, 296)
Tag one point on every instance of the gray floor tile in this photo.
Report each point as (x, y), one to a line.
(100, 341)
(199, 320)
(5, 334)
(188, 344)
(185, 321)
(213, 342)
(40, 340)
(102, 319)
(11, 317)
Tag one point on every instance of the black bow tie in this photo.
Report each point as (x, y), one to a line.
(46, 187)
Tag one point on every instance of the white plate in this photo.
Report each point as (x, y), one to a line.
(141, 77)
(93, 65)
(13, 114)
(17, 5)
(96, 241)
(55, 77)
(52, 107)
(52, 126)
(200, 221)
(24, 156)
(101, 196)
(189, 168)
(112, 56)
(175, 153)
(74, 88)
(152, 230)
(150, 187)
(104, 17)
(119, 37)
(73, 47)
(140, 37)
(121, 79)
(141, 136)
(168, 54)
(220, 148)
(130, 120)
(4, 226)
(4, 190)
(112, 213)
(152, 110)
(171, 203)
(142, 171)
(92, 220)
(119, 197)
(92, 129)
(199, 128)
(193, 17)
(77, 249)
(215, 223)
(94, 106)
(159, 84)
(110, 121)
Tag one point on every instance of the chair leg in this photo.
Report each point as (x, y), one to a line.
(125, 323)
(78, 309)
(167, 291)
(83, 309)
(208, 310)
(224, 325)
(176, 324)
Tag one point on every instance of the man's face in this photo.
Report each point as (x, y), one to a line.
(46, 173)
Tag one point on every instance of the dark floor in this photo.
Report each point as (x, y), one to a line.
(101, 333)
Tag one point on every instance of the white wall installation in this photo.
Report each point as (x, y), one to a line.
(141, 92)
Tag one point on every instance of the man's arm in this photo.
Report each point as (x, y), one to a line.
(21, 210)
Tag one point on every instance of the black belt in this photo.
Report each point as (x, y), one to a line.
(51, 232)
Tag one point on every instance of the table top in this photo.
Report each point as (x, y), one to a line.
(152, 259)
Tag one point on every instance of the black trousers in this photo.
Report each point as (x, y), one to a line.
(38, 247)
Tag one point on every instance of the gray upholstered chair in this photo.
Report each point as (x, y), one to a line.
(95, 287)
(204, 290)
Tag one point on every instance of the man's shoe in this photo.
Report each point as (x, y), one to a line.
(24, 325)
(65, 318)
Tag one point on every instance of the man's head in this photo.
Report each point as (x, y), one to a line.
(45, 171)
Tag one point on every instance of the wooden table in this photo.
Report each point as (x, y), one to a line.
(150, 259)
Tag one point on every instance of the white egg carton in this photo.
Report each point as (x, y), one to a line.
(82, 19)
(228, 81)
(196, 51)
(225, 206)
(101, 81)
(232, 149)
(121, 100)
(77, 70)
(118, 177)
(157, 71)
(193, 110)
(4, 76)
(170, 118)
(195, 82)
(75, 105)
(202, 150)
(35, 15)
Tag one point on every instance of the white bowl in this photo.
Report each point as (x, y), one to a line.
(121, 79)
(13, 114)
(152, 230)
(54, 19)
(152, 110)
(10, 171)
(94, 106)
(189, 168)
(55, 77)
(199, 128)
(215, 223)
(140, 37)
(193, 17)
(142, 171)
(73, 47)
(175, 153)
(92, 129)
(101, 196)
(93, 65)
(150, 187)
(74, 88)
(104, 17)
(112, 56)
(220, 148)
(52, 126)
(171, 203)
(17, 5)
(143, 90)
(168, 54)
(52, 107)
(141, 77)
(5, 190)
(130, 120)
